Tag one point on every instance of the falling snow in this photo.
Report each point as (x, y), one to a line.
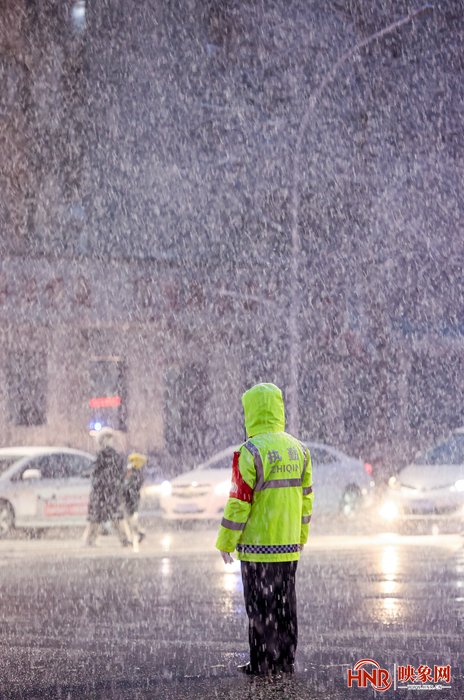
(199, 196)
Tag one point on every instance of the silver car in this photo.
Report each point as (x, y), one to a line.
(431, 489)
(42, 487)
(342, 484)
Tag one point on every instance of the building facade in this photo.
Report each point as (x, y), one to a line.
(145, 230)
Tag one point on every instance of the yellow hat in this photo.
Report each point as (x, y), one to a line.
(137, 460)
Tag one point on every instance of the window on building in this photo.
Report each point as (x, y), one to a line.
(27, 385)
(107, 399)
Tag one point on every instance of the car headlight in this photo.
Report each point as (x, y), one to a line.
(166, 488)
(459, 485)
(151, 490)
(389, 511)
(393, 482)
(222, 489)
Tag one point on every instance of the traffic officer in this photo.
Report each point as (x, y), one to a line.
(266, 520)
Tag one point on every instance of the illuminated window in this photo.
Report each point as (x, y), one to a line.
(107, 398)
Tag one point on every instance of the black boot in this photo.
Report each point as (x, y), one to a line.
(288, 668)
(247, 669)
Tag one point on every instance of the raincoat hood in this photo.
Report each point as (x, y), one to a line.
(105, 438)
(263, 406)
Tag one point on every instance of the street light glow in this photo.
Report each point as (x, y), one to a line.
(78, 15)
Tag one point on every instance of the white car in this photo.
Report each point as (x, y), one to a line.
(43, 487)
(341, 485)
(431, 489)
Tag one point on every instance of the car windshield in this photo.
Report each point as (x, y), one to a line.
(6, 462)
(320, 456)
(449, 452)
(224, 463)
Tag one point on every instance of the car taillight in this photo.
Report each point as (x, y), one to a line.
(368, 468)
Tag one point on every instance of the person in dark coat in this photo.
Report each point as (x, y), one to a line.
(131, 495)
(106, 495)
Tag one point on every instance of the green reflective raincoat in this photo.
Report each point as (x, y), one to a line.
(269, 509)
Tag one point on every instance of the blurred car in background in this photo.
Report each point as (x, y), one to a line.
(43, 487)
(431, 489)
(342, 485)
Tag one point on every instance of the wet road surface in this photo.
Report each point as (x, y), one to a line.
(169, 622)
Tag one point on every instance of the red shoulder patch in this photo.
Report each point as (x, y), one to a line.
(239, 488)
